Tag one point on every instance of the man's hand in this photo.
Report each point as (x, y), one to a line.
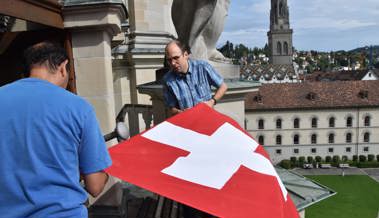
(174, 111)
(210, 103)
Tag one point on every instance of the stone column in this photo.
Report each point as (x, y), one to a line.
(92, 26)
(150, 30)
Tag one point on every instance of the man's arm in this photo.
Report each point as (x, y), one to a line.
(218, 95)
(95, 182)
(93, 155)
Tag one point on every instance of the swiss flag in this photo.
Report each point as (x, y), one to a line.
(204, 159)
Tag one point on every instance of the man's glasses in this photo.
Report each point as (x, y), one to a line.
(175, 58)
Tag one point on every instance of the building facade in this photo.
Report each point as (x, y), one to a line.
(315, 119)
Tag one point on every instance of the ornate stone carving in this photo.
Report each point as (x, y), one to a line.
(199, 23)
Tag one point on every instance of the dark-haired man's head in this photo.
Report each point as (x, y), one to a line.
(47, 61)
(177, 55)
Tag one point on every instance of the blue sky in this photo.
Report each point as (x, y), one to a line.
(322, 25)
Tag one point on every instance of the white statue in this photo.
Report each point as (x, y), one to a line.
(199, 23)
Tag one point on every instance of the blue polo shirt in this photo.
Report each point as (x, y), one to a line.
(187, 90)
(48, 136)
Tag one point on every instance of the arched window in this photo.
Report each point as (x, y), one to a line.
(261, 124)
(332, 121)
(314, 139)
(285, 48)
(261, 140)
(367, 120)
(279, 123)
(314, 122)
(348, 138)
(279, 48)
(331, 138)
(366, 137)
(278, 139)
(349, 121)
(296, 123)
(296, 139)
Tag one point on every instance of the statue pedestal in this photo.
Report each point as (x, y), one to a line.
(226, 70)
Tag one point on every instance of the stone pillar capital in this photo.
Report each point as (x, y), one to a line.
(98, 15)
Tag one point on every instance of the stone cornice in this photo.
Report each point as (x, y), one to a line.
(102, 15)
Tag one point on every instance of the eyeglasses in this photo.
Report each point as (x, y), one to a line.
(175, 58)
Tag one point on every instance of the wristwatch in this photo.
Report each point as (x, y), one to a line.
(214, 100)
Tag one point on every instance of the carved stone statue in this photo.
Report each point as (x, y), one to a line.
(199, 23)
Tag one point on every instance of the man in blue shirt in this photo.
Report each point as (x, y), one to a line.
(187, 84)
(49, 138)
(189, 81)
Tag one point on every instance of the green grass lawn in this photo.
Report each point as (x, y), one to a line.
(357, 197)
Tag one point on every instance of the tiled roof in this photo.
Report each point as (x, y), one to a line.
(253, 73)
(338, 75)
(341, 94)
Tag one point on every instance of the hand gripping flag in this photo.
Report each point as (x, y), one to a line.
(204, 159)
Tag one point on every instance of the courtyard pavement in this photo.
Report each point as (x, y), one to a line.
(372, 172)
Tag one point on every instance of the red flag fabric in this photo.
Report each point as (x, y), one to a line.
(204, 159)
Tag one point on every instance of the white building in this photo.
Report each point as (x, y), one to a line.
(315, 119)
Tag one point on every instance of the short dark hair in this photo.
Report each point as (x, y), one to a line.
(45, 54)
(183, 46)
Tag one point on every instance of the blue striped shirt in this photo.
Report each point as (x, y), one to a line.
(187, 90)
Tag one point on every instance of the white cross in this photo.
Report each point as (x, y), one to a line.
(214, 159)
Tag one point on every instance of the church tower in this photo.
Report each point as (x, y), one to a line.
(280, 34)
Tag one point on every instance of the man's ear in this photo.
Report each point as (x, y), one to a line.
(62, 68)
(185, 54)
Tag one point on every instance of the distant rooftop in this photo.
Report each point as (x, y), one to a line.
(311, 95)
(338, 75)
(280, 71)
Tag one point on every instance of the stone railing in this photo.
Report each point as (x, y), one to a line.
(131, 114)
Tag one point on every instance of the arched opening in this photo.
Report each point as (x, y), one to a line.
(285, 48)
(279, 123)
(278, 139)
(261, 124)
(332, 122)
(279, 48)
(261, 140)
(313, 139)
(296, 123)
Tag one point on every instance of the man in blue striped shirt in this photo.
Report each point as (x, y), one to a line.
(189, 82)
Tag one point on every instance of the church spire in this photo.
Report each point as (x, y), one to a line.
(280, 34)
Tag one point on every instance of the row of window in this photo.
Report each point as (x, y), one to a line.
(314, 150)
(331, 137)
(314, 122)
